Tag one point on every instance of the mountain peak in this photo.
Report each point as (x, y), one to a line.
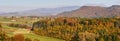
(93, 11)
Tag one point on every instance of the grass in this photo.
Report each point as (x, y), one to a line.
(4, 19)
(41, 38)
(10, 32)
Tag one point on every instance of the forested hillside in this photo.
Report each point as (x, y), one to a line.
(79, 29)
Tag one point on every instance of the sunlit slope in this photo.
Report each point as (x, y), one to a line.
(11, 31)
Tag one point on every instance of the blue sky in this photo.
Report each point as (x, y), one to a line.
(20, 5)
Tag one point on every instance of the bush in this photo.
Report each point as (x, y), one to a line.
(3, 36)
(18, 37)
(0, 25)
(18, 25)
(28, 39)
(35, 40)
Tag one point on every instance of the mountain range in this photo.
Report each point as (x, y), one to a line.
(41, 11)
(1, 12)
(93, 11)
(70, 11)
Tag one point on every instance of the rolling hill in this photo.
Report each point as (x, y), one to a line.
(93, 11)
(41, 11)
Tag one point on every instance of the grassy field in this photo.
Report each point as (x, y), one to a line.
(41, 38)
(11, 31)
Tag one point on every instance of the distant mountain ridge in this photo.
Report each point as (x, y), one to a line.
(42, 11)
(71, 11)
(93, 11)
(1, 12)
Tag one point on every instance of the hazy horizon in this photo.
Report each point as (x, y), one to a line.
(21, 5)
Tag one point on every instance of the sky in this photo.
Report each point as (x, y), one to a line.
(21, 5)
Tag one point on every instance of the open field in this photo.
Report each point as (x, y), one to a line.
(11, 31)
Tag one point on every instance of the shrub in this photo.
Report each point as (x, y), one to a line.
(18, 37)
(35, 40)
(28, 39)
